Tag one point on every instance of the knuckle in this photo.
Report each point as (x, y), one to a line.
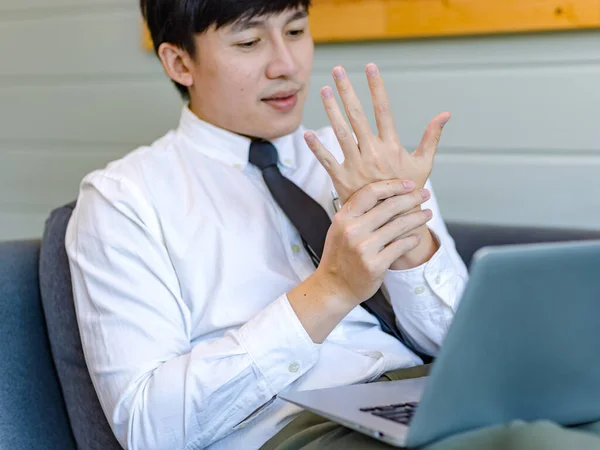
(417, 219)
(379, 161)
(355, 112)
(362, 248)
(398, 203)
(402, 226)
(342, 132)
(350, 205)
(388, 207)
(338, 221)
(370, 189)
(412, 242)
(408, 243)
(365, 268)
(417, 197)
(327, 163)
(370, 269)
(340, 224)
(375, 271)
(383, 107)
(349, 235)
(324, 157)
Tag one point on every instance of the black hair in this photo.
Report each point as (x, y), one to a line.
(178, 21)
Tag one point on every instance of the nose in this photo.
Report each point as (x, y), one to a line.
(282, 63)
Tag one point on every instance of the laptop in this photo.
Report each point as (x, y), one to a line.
(523, 346)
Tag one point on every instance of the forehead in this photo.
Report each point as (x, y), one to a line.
(272, 20)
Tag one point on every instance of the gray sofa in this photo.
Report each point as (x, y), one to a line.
(33, 414)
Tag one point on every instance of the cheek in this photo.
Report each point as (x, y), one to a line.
(237, 79)
(306, 60)
(245, 84)
(234, 88)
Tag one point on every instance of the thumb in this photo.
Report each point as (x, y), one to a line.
(429, 144)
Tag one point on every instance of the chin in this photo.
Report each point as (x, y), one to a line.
(278, 128)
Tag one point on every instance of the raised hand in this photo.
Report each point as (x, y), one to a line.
(370, 157)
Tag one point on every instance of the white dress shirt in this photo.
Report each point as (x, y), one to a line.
(181, 261)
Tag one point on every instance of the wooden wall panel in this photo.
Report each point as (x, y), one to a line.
(342, 20)
(355, 20)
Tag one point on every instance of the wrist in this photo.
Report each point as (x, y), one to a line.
(419, 255)
(319, 305)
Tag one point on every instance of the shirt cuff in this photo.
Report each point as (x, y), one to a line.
(422, 287)
(279, 345)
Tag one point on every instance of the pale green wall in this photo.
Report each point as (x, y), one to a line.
(76, 91)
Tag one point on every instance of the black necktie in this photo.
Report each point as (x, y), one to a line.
(312, 222)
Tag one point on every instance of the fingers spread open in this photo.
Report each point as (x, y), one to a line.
(354, 110)
(342, 130)
(381, 104)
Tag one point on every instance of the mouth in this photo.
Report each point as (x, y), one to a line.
(284, 101)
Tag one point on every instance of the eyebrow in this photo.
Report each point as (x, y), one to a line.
(246, 24)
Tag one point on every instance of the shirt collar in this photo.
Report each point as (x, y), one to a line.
(228, 147)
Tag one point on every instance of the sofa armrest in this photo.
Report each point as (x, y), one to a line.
(471, 237)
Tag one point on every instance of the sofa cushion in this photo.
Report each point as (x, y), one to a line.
(470, 237)
(88, 421)
(32, 411)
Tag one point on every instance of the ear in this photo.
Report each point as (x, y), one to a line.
(177, 63)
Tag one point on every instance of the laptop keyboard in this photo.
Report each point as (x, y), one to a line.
(400, 413)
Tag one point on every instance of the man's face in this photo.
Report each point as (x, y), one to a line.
(252, 77)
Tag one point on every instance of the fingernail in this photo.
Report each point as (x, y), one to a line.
(409, 184)
(338, 73)
(425, 193)
(446, 121)
(327, 92)
(310, 138)
(372, 69)
(429, 213)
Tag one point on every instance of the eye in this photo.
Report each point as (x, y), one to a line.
(296, 33)
(250, 44)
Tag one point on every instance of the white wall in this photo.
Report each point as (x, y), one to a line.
(76, 91)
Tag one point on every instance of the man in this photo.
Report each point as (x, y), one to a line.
(197, 298)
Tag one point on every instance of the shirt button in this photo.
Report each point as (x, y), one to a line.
(237, 166)
(438, 279)
(295, 249)
(288, 162)
(293, 367)
(419, 290)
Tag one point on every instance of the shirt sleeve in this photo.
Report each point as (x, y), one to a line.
(156, 388)
(425, 298)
